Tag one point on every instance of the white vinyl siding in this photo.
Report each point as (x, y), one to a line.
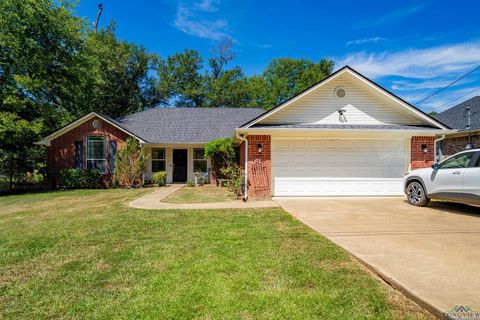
(321, 106)
(348, 167)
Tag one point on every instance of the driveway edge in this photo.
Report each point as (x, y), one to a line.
(435, 311)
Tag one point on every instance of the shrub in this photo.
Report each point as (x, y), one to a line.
(160, 178)
(190, 183)
(235, 175)
(70, 179)
(222, 153)
(78, 179)
(92, 179)
(130, 163)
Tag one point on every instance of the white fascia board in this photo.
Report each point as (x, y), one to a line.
(46, 141)
(324, 130)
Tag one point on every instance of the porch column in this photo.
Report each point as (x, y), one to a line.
(259, 160)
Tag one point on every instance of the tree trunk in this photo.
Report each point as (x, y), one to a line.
(99, 13)
(10, 187)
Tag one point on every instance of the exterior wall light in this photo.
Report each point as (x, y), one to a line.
(260, 147)
(424, 148)
(468, 146)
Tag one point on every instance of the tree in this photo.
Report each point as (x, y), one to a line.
(222, 54)
(180, 79)
(130, 163)
(287, 77)
(53, 69)
(17, 156)
(122, 83)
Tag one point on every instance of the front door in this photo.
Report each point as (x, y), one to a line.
(179, 165)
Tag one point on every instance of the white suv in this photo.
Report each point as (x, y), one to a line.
(455, 179)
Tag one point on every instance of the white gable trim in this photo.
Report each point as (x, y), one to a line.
(357, 76)
(46, 141)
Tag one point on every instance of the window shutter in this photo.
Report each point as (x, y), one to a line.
(78, 154)
(112, 151)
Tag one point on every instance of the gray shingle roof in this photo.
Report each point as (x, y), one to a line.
(347, 126)
(455, 117)
(187, 125)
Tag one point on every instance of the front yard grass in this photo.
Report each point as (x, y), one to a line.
(201, 194)
(85, 254)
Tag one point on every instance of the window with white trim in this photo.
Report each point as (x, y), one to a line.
(158, 159)
(96, 153)
(199, 161)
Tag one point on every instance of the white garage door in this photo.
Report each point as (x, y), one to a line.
(337, 167)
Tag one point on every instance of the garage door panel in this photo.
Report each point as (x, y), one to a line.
(315, 167)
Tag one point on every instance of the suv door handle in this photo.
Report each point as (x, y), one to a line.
(456, 172)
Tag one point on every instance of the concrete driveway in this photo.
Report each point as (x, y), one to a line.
(433, 253)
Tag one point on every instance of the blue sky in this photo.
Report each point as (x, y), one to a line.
(412, 48)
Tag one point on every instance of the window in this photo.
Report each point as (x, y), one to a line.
(458, 161)
(96, 153)
(199, 161)
(478, 162)
(158, 159)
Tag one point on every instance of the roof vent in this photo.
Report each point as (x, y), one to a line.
(339, 92)
(96, 124)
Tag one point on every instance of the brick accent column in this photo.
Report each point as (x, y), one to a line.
(259, 166)
(419, 158)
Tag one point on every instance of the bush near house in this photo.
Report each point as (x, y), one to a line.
(160, 178)
(80, 179)
(130, 163)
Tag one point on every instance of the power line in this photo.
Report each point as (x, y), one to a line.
(448, 86)
(457, 98)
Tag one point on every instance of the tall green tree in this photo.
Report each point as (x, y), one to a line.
(287, 77)
(181, 80)
(53, 69)
(122, 83)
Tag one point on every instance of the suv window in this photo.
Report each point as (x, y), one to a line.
(478, 162)
(458, 161)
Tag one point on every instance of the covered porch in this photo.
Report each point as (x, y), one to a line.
(179, 161)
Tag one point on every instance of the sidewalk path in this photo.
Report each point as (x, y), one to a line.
(153, 201)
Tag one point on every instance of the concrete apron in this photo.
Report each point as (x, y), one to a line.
(431, 254)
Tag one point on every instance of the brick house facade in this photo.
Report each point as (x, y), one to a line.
(420, 158)
(454, 144)
(61, 152)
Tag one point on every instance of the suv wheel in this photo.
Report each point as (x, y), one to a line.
(416, 194)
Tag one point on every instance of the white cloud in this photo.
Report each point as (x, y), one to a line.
(365, 40)
(416, 73)
(196, 19)
(398, 14)
(264, 45)
(416, 63)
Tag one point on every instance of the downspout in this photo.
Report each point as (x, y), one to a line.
(241, 137)
(435, 149)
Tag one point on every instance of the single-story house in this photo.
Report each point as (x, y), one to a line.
(343, 136)
(464, 117)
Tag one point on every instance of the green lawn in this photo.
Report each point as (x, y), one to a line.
(85, 254)
(200, 194)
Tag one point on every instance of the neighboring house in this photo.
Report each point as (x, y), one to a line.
(343, 136)
(465, 117)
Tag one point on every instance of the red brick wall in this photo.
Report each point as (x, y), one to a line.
(419, 158)
(450, 146)
(259, 166)
(61, 153)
